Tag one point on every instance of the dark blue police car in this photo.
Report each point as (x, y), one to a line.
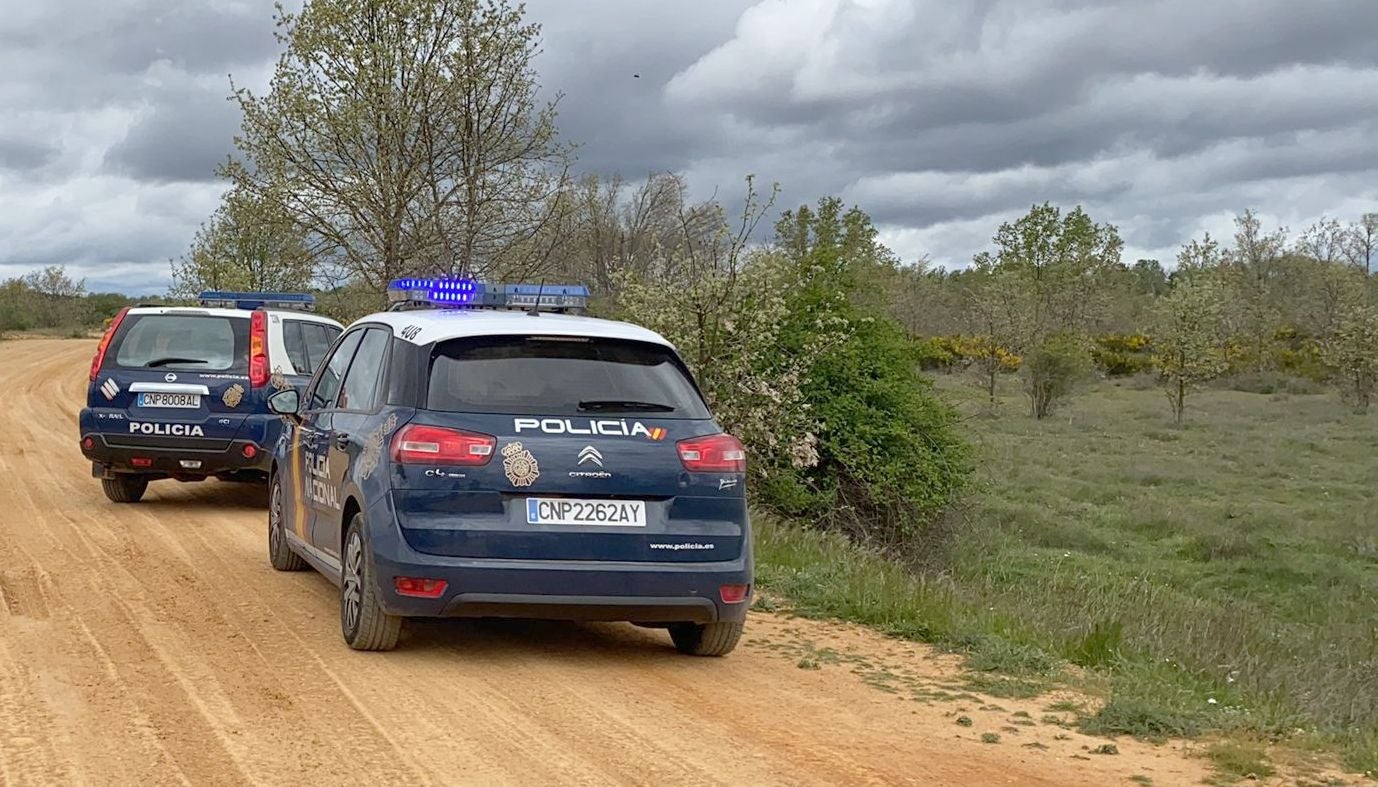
(500, 459)
(182, 392)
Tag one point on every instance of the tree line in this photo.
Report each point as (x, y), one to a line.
(51, 300)
(1055, 299)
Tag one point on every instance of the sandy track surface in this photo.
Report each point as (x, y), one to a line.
(153, 644)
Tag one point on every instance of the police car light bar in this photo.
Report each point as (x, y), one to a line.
(476, 294)
(216, 299)
(435, 292)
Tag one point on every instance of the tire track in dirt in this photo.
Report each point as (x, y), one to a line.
(104, 603)
(153, 644)
(217, 694)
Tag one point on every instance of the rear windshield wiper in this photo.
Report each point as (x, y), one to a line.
(605, 405)
(166, 361)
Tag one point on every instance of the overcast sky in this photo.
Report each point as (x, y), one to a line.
(941, 118)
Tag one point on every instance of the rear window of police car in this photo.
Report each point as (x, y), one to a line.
(561, 376)
(190, 342)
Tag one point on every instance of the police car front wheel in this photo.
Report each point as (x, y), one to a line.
(125, 488)
(362, 620)
(279, 553)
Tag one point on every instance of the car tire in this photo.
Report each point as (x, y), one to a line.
(363, 622)
(279, 553)
(125, 488)
(707, 639)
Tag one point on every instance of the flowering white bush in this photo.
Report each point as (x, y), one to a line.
(726, 321)
(840, 428)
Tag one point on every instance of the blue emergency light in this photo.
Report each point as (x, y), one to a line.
(457, 293)
(217, 299)
(437, 292)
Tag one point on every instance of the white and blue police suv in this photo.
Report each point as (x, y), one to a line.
(182, 392)
(482, 451)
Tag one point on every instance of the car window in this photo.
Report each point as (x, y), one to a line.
(360, 391)
(319, 337)
(295, 343)
(561, 376)
(328, 381)
(307, 343)
(191, 342)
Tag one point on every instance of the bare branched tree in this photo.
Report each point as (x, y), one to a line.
(613, 229)
(1362, 243)
(1325, 241)
(405, 136)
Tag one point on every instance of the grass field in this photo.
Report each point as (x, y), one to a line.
(1219, 577)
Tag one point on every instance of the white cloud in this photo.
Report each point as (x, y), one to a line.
(773, 40)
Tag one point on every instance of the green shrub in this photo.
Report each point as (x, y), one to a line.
(1304, 362)
(1051, 371)
(945, 353)
(824, 391)
(1113, 364)
(1143, 718)
(890, 458)
(1122, 355)
(996, 653)
(936, 353)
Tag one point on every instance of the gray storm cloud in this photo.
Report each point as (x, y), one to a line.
(940, 118)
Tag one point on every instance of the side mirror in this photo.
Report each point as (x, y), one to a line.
(285, 402)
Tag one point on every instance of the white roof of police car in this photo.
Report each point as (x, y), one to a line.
(438, 325)
(223, 312)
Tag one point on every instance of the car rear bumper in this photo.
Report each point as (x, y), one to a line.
(178, 461)
(637, 592)
(214, 450)
(549, 590)
(608, 608)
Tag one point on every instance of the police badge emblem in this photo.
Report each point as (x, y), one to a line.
(278, 380)
(521, 467)
(233, 395)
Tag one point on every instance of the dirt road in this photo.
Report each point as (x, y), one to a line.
(153, 644)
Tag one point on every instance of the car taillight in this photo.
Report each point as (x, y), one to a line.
(258, 349)
(434, 445)
(105, 343)
(734, 594)
(719, 453)
(419, 587)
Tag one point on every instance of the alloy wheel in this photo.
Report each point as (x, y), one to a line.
(275, 515)
(352, 593)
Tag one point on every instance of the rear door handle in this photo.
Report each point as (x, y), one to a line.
(342, 441)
